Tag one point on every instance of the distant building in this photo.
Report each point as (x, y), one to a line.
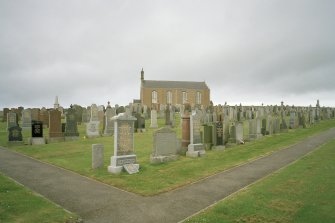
(155, 93)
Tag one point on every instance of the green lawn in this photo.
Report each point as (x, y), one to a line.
(153, 179)
(18, 204)
(302, 192)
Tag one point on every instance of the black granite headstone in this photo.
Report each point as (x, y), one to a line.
(37, 129)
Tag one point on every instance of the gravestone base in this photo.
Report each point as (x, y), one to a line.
(195, 150)
(218, 147)
(71, 138)
(117, 163)
(37, 141)
(154, 126)
(56, 139)
(162, 159)
(15, 143)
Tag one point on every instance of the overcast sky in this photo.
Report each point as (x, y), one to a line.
(88, 52)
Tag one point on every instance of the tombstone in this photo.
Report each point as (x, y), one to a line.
(37, 133)
(26, 119)
(44, 117)
(4, 117)
(292, 120)
(92, 127)
(55, 126)
(11, 120)
(94, 113)
(71, 129)
(185, 130)
(97, 156)
(153, 119)
(165, 145)
(35, 114)
(167, 115)
(236, 133)
(109, 123)
(255, 129)
(195, 148)
(15, 134)
(208, 135)
(218, 136)
(123, 143)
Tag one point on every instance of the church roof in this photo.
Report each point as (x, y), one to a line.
(174, 84)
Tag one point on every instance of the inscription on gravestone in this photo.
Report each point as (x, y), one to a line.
(37, 129)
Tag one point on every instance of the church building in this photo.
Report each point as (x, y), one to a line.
(155, 93)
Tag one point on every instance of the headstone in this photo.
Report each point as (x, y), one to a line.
(292, 120)
(35, 114)
(195, 148)
(94, 113)
(185, 120)
(5, 111)
(71, 129)
(218, 136)
(44, 117)
(97, 156)
(26, 118)
(92, 127)
(15, 134)
(37, 133)
(208, 138)
(167, 116)
(12, 119)
(109, 123)
(153, 115)
(236, 133)
(123, 142)
(164, 146)
(55, 126)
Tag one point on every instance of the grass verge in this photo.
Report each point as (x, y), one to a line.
(18, 204)
(302, 192)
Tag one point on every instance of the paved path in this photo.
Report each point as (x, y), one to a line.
(97, 202)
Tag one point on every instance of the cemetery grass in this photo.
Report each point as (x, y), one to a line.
(18, 204)
(157, 178)
(302, 192)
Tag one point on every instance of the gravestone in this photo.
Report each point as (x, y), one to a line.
(218, 136)
(292, 120)
(92, 127)
(167, 115)
(35, 114)
(4, 115)
(236, 133)
(44, 117)
(37, 133)
(94, 113)
(97, 156)
(164, 146)
(11, 120)
(55, 126)
(208, 138)
(26, 118)
(109, 123)
(153, 119)
(71, 129)
(195, 148)
(123, 143)
(15, 134)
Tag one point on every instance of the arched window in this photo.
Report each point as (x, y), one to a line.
(154, 97)
(169, 97)
(184, 97)
(198, 98)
